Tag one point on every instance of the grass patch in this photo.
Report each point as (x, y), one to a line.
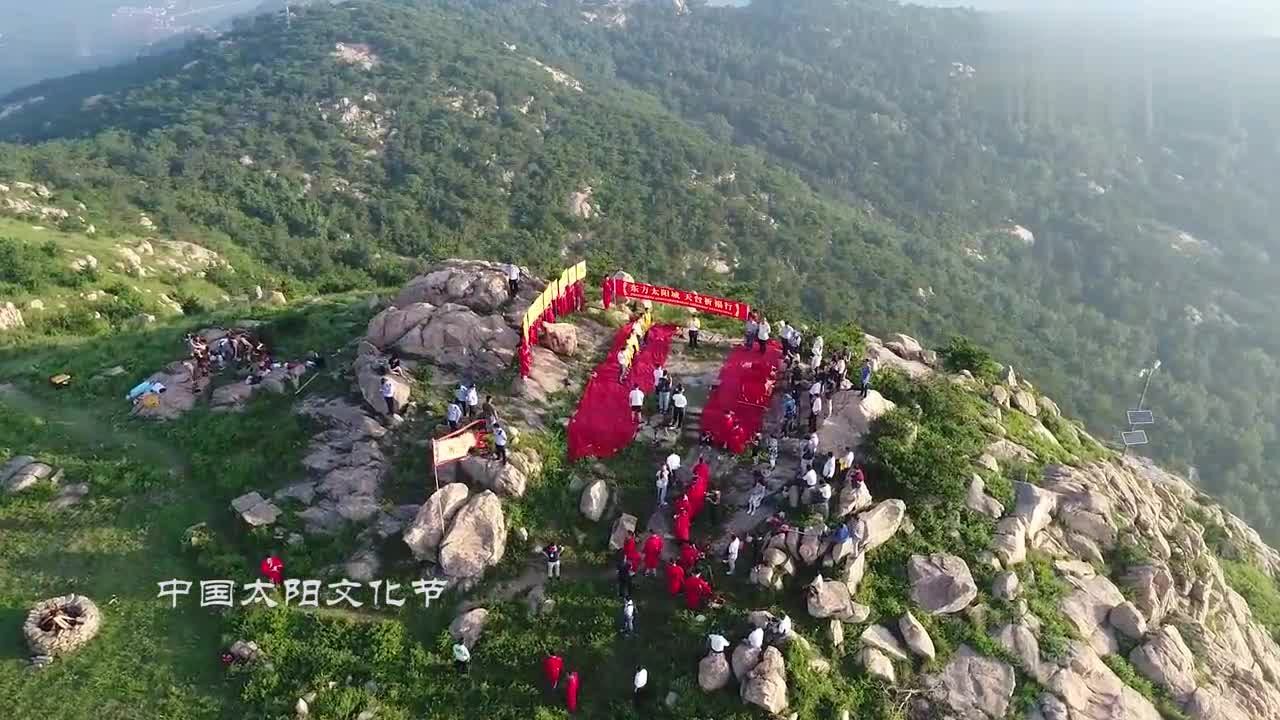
(1159, 697)
(1258, 590)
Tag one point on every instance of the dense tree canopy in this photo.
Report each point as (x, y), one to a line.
(859, 160)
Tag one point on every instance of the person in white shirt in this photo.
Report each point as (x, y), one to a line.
(461, 657)
(658, 372)
(717, 642)
(461, 396)
(673, 462)
(695, 327)
(813, 443)
(762, 334)
(640, 682)
(513, 278)
(622, 365)
(500, 442)
(388, 394)
(773, 452)
(473, 401)
(810, 478)
(752, 329)
(453, 414)
(731, 553)
(758, 493)
(678, 403)
(755, 638)
(628, 616)
(664, 480)
(824, 496)
(782, 628)
(815, 360)
(636, 397)
(829, 468)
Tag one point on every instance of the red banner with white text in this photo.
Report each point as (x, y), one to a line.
(618, 289)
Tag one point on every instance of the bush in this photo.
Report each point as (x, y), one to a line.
(963, 354)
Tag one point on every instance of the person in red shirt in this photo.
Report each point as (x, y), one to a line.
(552, 665)
(675, 578)
(696, 592)
(682, 505)
(683, 525)
(689, 556)
(571, 691)
(701, 469)
(652, 553)
(630, 551)
(273, 569)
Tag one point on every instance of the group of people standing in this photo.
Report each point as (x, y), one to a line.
(671, 400)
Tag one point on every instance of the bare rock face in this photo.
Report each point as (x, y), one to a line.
(467, 627)
(477, 537)
(851, 421)
(905, 347)
(1087, 608)
(370, 367)
(477, 285)
(972, 686)
(183, 387)
(510, 480)
(940, 583)
(60, 625)
(1166, 660)
(548, 375)
(1000, 396)
(560, 338)
(450, 335)
(1127, 619)
(1035, 506)
(766, 684)
(714, 672)
(427, 531)
(1083, 687)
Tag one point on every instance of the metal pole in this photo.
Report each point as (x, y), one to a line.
(1142, 398)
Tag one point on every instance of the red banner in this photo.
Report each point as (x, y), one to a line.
(615, 289)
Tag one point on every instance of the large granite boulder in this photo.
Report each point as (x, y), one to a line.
(940, 583)
(427, 531)
(477, 285)
(876, 526)
(24, 472)
(830, 599)
(1088, 606)
(766, 685)
(560, 338)
(978, 501)
(450, 335)
(370, 367)
(595, 499)
(883, 639)
(744, 660)
(877, 664)
(467, 627)
(477, 537)
(714, 672)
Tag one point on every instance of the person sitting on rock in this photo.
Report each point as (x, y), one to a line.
(394, 366)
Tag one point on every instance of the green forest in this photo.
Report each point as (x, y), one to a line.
(859, 160)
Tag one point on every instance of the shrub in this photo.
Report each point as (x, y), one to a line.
(963, 354)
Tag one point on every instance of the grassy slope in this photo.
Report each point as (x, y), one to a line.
(148, 483)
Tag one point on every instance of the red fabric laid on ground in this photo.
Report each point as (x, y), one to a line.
(601, 427)
(745, 388)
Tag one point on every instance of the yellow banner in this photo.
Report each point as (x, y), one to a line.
(454, 447)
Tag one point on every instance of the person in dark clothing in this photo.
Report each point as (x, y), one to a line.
(864, 377)
(713, 506)
(624, 576)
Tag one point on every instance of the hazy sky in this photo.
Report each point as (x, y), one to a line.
(1195, 16)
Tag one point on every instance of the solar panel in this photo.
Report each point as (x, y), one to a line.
(1134, 437)
(1141, 417)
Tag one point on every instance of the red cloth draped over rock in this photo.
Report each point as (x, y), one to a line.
(736, 408)
(602, 426)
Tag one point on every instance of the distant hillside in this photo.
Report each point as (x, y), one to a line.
(902, 166)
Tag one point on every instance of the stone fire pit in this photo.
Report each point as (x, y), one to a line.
(60, 625)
